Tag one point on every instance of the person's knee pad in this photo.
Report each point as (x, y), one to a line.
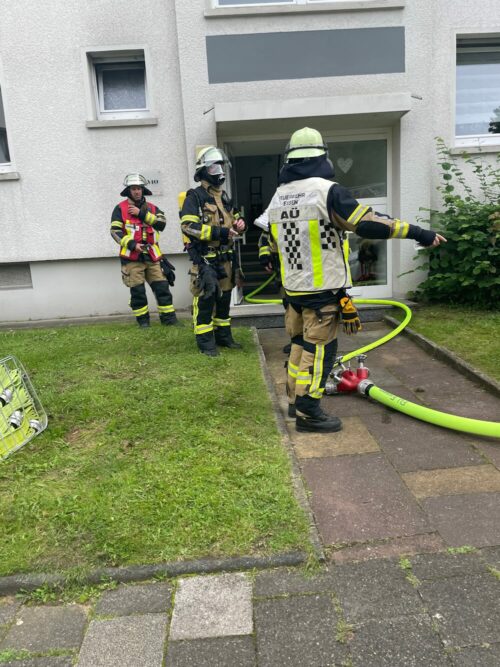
(160, 289)
(138, 296)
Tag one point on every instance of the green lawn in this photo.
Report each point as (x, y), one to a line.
(153, 453)
(474, 335)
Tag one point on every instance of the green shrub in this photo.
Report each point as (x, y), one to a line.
(466, 269)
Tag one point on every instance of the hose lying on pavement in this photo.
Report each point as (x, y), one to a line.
(367, 388)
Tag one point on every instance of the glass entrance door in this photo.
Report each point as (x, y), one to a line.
(362, 165)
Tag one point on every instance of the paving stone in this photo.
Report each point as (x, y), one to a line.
(375, 589)
(40, 629)
(140, 599)
(447, 482)
(490, 451)
(353, 439)
(272, 583)
(219, 652)
(59, 661)
(297, 631)
(398, 546)
(212, 606)
(468, 519)
(466, 609)
(491, 556)
(413, 445)
(480, 404)
(440, 566)
(477, 656)
(128, 641)
(360, 498)
(8, 609)
(401, 642)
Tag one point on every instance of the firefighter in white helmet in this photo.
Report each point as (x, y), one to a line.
(209, 225)
(135, 226)
(308, 218)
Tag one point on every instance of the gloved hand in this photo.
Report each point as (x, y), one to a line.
(168, 270)
(349, 316)
(209, 283)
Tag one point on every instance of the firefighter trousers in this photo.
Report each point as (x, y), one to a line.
(134, 276)
(314, 344)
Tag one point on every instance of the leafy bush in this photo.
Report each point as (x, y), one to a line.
(466, 269)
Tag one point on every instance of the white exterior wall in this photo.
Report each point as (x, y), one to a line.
(70, 174)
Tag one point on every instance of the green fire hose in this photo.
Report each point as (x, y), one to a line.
(367, 388)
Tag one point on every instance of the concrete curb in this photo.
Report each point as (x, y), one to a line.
(448, 357)
(29, 582)
(298, 484)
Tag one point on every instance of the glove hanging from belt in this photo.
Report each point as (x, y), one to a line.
(209, 281)
(168, 270)
(349, 315)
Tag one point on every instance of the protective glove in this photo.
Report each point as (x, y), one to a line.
(209, 283)
(168, 270)
(349, 316)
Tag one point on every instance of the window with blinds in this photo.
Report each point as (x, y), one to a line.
(478, 86)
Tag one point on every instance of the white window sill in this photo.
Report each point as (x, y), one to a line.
(9, 175)
(340, 6)
(476, 147)
(122, 122)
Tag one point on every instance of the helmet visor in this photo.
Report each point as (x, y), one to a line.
(215, 155)
(215, 169)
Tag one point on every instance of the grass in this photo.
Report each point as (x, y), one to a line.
(153, 453)
(471, 334)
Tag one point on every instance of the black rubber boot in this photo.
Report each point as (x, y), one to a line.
(206, 344)
(292, 410)
(169, 319)
(224, 338)
(143, 321)
(314, 419)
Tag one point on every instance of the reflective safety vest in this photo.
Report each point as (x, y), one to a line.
(137, 230)
(310, 246)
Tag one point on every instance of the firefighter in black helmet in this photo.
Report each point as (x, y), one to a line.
(209, 225)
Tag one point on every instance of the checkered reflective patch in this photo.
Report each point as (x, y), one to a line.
(326, 235)
(291, 237)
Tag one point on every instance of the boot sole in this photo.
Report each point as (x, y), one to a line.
(311, 429)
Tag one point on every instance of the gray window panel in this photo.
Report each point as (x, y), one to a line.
(123, 88)
(15, 276)
(305, 54)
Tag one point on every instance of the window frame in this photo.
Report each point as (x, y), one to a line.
(117, 57)
(6, 167)
(472, 141)
(214, 9)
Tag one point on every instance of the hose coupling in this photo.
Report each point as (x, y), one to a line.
(364, 387)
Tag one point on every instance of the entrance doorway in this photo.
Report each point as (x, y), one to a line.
(362, 164)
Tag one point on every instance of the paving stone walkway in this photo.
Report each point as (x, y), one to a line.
(409, 517)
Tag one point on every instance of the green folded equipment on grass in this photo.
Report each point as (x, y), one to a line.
(22, 416)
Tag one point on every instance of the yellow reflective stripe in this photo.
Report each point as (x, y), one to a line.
(346, 249)
(116, 224)
(165, 309)
(221, 323)
(125, 240)
(395, 229)
(195, 310)
(236, 216)
(319, 356)
(190, 218)
(315, 243)
(405, 230)
(298, 293)
(264, 250)
(203, 328)
(316, 394)
(205, 232)
(357, 214)
(140, 311)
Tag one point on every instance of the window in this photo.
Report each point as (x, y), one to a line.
(120, 85)
(239, 3)
(478, 90)
(4, 144)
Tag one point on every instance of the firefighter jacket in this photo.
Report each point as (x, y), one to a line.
(310, 245)
(207, 216)
(129, 230)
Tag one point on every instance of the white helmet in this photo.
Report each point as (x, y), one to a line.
(212, 161)
(135, 179)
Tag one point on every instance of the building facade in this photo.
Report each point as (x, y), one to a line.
(91, 91)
